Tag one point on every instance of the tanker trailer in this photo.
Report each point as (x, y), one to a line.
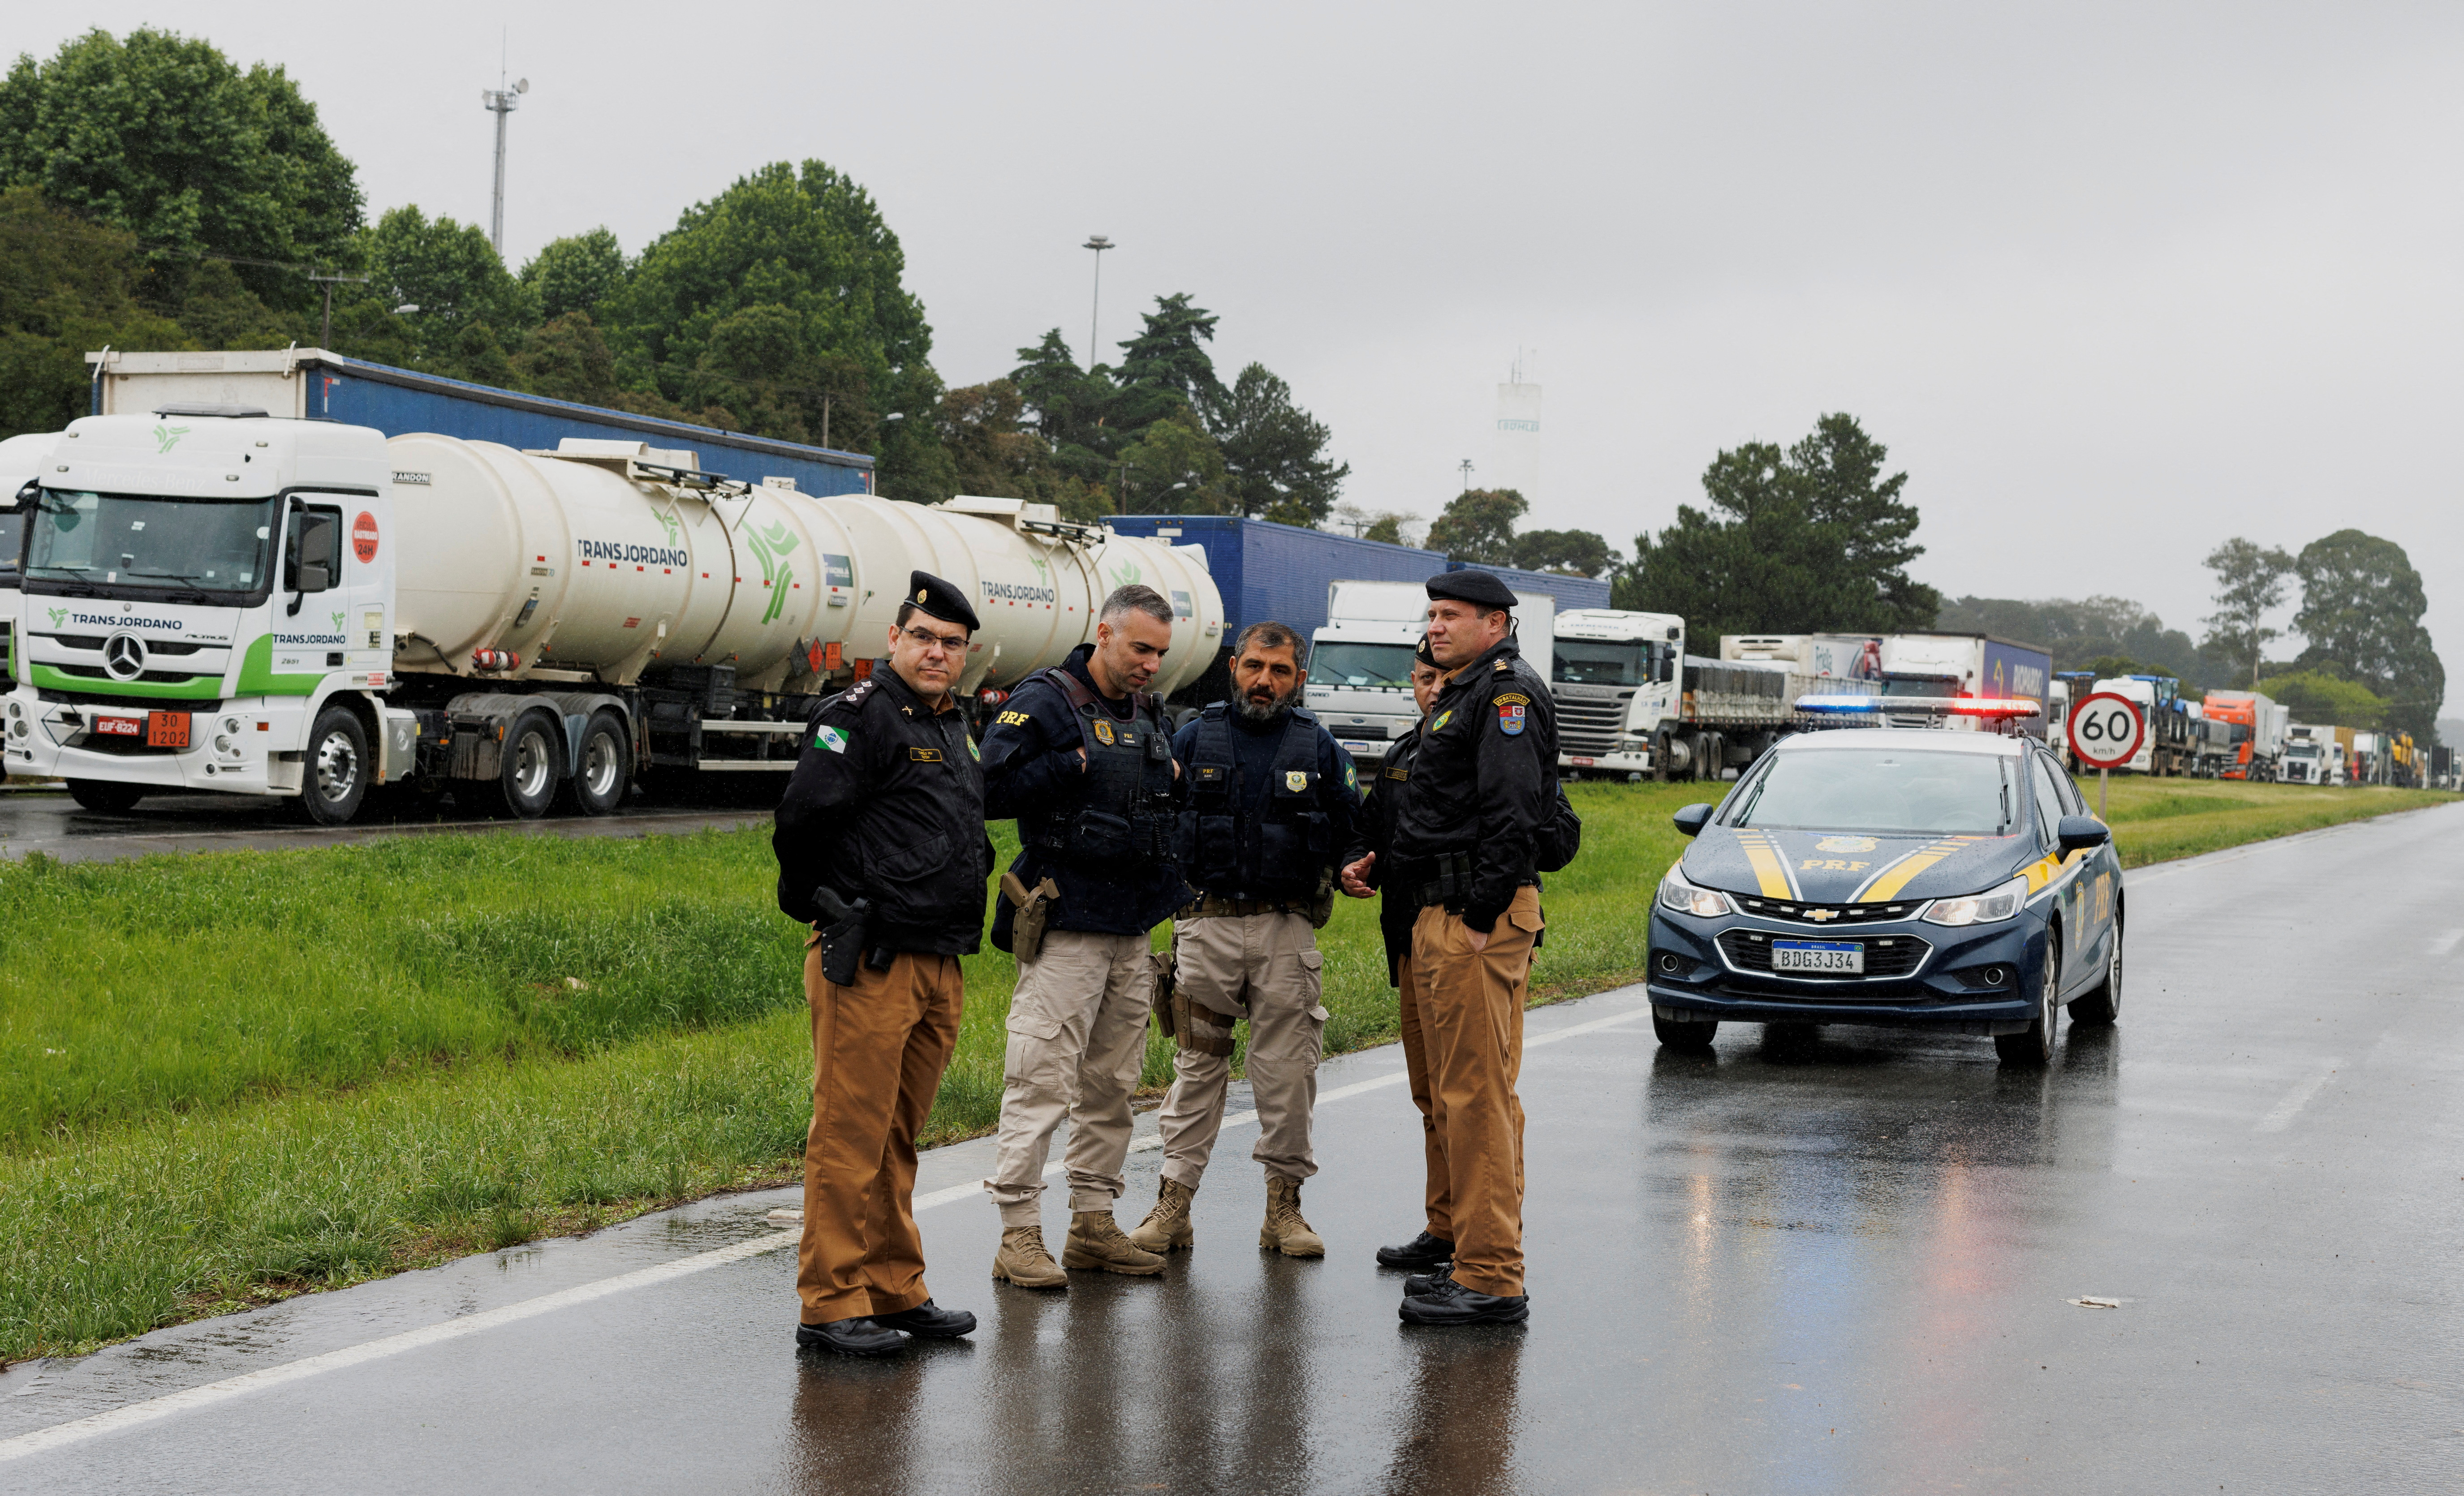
(305, 610)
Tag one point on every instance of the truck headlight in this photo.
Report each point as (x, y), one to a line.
(1683, 896)
(1979, 908)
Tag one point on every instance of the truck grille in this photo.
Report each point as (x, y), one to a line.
(1590, 726)
(1885, 955)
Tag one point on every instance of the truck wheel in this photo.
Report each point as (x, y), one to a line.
(531, 768)
(334, 776)
(1677, 1034)
(2033, 1047)
(105, 796)
(605, 770)
(1715, 755)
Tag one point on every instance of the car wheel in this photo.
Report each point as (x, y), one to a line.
(334, 776)
(1679, 1034)
(605, 770)
(531, 767)
(2104, 1006)
(2032, 1048)
(105, 796)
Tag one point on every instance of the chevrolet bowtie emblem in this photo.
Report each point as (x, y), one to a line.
(1821, 914)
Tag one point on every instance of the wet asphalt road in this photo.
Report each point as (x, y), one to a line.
(50, 822)
(1836, 1265)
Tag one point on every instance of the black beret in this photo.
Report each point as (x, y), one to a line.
(1421, 652)
(931, 595)
(1480, 588)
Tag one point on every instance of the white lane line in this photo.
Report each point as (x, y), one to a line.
(116, 1420)
(2299, 1097)
(2446, 942)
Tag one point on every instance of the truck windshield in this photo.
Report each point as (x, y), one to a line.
(1921, 686)
(1601, 661)
(136, 539)
(1887, 790)
(1353, 665)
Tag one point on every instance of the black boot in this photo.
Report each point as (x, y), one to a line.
(1420, 1285)
(858, 1337)
(1450, 1303)
(1422, 1251)
(931, 1321)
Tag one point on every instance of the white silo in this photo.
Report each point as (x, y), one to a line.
(1515, 446)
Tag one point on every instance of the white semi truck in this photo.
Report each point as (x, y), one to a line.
(1630, 699)
(217, 601)
(1360, 659)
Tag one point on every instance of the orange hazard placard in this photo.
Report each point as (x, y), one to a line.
(167, 729)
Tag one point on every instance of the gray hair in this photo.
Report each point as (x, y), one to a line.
(1137, 599)
(1267, 634)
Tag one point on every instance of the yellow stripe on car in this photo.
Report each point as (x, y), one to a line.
(1885, 885)
(1770, 870)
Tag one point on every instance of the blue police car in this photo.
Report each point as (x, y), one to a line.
(1948, 880)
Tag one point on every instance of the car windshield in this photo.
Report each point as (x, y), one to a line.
(129, 540)
(1881, 789)
(1601, 661)
(1359, 665)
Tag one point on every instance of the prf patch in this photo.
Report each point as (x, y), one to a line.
(1012, 719)
(1103, 731)
(1514, 712)
(924, 754)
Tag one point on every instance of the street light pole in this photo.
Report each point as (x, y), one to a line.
(500, 102)
(325, 332)
(1099, 244)
(1465, 466)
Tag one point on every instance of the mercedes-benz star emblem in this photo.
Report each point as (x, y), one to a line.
(123, 657)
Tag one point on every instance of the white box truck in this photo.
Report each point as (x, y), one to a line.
(1361, 658)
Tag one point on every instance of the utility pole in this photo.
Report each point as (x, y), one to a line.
(1099, 244)
(501, 101)
(1465, 466)
(325, 332)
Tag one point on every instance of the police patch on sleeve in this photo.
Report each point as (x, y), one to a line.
(1351, 777)
(829, 738)
(1514, 712)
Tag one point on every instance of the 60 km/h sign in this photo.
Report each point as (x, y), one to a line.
(2106, 730)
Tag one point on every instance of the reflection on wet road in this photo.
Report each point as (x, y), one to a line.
(1838, 1260)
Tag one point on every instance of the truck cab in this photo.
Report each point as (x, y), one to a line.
(1360, 659)
(1614, 678)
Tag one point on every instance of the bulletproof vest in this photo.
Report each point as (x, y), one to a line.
(1276, 846)
(1125, 813)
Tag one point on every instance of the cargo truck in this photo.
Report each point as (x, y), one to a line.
(1631, 700)
(2312, 755)
(2256, 729)
(21, 458)
(2167, 746)
(1965, 665)
(1361, 658)
(218, 600)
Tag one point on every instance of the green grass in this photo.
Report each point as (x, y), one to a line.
(238, 1076)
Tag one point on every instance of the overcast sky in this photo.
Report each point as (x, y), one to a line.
(2112, 282)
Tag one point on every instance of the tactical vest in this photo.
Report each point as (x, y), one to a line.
(1124, 815)
(1275, 847)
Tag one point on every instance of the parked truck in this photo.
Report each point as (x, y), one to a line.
(1965, 665)
(1361, 658)
(218, 600)
(1631, 700)
(2312, 754)
(2257, 726)
(2168, 745)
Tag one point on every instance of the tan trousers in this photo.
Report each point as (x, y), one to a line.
(1077, 1040)
(1471, 1020)
(878, 1051)
(1439, 1192)
(1265, 968)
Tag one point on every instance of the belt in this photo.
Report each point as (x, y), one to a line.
(1212, 906)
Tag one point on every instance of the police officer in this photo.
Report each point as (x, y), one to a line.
(1374, 844)
(1483, 791)
(1082, 759)
(882, 849)
(1267, 803)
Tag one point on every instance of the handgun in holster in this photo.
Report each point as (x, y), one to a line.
(1034, 906)
(843, 928)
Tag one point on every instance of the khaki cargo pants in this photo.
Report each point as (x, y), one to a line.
(1077, 1040)
(1470, 1006)
(1265, 968)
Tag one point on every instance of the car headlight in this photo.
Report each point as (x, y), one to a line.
(1676, 894)
(1979, 908)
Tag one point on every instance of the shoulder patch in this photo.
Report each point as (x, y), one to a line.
(1514, 714)
(830, 739)
(1444, 717)
(1351, 777)
(1012, 719)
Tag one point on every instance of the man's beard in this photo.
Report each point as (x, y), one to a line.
(1266, 710)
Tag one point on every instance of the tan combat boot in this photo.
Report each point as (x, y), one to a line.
(1167, 1227)
(1023, 1261)
(1095, 1241)
(1285, 1230)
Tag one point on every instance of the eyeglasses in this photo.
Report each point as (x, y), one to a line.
(927, 639)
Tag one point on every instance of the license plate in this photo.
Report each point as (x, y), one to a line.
(1583, 764)
(1818, 956)
(167, 729)
(120, 726)
(1352, 747)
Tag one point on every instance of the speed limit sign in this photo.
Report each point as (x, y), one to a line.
(2106, 730)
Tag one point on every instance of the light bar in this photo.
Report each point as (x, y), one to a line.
(1919, 706)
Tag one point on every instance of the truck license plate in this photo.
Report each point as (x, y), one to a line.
(1584, 763)
(120, 726)
(167, 729)
(1818, 956)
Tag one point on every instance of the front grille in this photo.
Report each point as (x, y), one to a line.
(1590, 726)
(1837, 914)
(150, 677)
(1885, 955)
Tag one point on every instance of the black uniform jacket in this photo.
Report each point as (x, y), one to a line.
(1031, 765)
(1336, 785)
(886, 803)
(1386, 788)
(1484, 778)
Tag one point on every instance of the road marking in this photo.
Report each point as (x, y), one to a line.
(116, 1420)
(2446, 942)
(2299, 1097)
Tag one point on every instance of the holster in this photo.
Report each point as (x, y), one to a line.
(1447, 879)
(1034, 906)
(1321, 908)
(1167, 986)
(1200, 1028)
(842, 929)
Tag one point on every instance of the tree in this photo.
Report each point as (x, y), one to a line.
(566, 359)
(576, 273)
(2250, 584)
(1478, 525)
(1812, 539)
(2081, 633)
(1175, 468)
(2316, 696)
(2362, 604)
(1579, 553)
(1273, 451)
(468, 304)
(1389, 528)
(1167, 366)
(66, 285)
(167, 138)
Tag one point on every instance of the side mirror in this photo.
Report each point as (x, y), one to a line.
(1694, 817)
(315, 577)
(2074, 832)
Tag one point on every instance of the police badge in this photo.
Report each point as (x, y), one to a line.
(1297, 780)
(1103, 731)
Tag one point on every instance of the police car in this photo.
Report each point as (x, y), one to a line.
(1902, 877)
